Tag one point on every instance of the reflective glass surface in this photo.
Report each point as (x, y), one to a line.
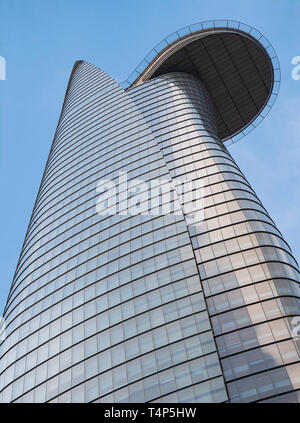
(148, 307)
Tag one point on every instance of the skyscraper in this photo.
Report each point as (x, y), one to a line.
(108, 305)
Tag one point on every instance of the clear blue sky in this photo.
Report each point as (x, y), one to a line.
(41, 39)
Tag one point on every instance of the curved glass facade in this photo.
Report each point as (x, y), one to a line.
(249, 276)
(148, 307)
(102, 307)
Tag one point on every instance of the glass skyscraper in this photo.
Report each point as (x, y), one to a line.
(114, 306)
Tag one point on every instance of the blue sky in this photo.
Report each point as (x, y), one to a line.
(41, 40)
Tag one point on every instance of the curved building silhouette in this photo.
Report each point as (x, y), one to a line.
(111, 305)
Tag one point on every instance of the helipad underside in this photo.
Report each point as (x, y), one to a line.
(234, 66)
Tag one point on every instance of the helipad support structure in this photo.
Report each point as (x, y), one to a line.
(116, 307)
